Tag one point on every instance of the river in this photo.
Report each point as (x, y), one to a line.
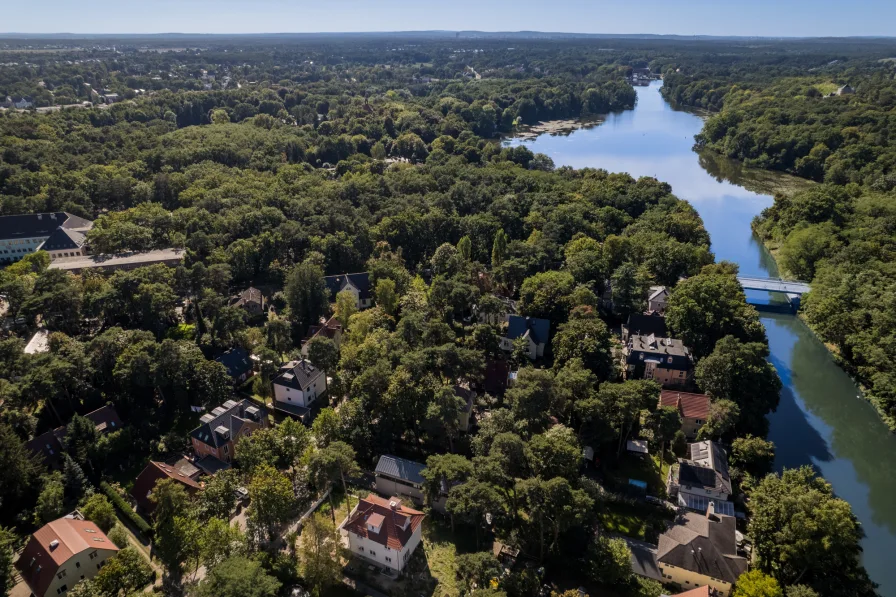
(821, 420)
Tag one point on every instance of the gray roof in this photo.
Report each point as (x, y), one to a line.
(704, 545)
(231, 416)
(38, 225)
(297, 374)
(641, 347)
(644, 559)
(360, 280)
(236, 361)
(399, 468)
(65, 238)
(707, 467)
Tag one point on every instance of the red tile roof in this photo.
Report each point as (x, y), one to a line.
(692, 406)
(152, 474)
(397, 525)
(41, 559)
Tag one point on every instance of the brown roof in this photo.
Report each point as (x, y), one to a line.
(152, 474)
(250, 295)
(106, 419)
(397, 525)
(52, 546)
(48, 448)
(692, 406)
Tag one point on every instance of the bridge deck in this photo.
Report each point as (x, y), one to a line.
(774, 285)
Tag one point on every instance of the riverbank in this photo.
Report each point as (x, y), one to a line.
(822, 419)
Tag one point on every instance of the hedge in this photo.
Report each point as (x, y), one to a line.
(125, 508)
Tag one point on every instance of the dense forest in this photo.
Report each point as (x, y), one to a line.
(277, 167)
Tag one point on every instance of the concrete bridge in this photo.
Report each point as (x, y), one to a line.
(794, 289)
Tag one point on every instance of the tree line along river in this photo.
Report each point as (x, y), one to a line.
(822, 419)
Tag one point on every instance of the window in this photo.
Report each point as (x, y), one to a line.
(360, 548)
(62, 589)
(388, 559)
(94, 554)
(61, 574)
(373, 553)
(77, 564)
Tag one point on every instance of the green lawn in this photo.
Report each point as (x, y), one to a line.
(621, 520)
(826, 88)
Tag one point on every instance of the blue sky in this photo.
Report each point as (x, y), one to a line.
(686, 17)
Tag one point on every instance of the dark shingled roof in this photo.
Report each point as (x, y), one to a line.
(65, 238)
(643, 559)
(707, 467)
(105, 419)
(236, 361)
(360, 280)
(399, 468)
(297, 374)
(661, 349)
(639, 323)
(231, 415)
(706, 545)
(36, 225)
(538, 329)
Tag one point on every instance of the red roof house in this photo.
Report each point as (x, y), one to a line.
(383, 531)
(694, 409)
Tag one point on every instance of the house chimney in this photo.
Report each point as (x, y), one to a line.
(54, 544)
(711, 511)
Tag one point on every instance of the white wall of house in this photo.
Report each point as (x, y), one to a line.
(15, 249)
(534, 351)
(305, 399)
(396, 559)
(78, 567)
(388, 487)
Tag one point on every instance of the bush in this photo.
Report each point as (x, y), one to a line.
(126, 509)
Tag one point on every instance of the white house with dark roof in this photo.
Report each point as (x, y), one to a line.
(27, 233)
(297, 387)
(533, 330)
(382, 531)
(358, 284)
(657, 299)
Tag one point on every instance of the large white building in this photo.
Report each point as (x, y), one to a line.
(296, 388)
(383, 532)
(28, 233)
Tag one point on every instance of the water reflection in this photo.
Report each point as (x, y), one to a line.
(820, 420)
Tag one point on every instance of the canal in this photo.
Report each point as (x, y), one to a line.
(821, 420)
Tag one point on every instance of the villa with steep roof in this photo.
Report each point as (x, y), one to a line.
(693, 408)
(297, 387)
(62, 553)
(382, 531)
(220, 429)
(154, 472)
(701, 550)
(534, 330)
(358, 284)
(665, 360)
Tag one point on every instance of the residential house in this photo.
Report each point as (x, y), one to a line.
(665, 360)
(397, 476)
(120, 261)
(702, 479)
(693, 409)
(534, 330)
(154, 472)
(238, 364)
(26, 233)
(62, 553)
(111, 98)
(382, 531)
(701, 550)
(49, 447)
(644, 324)
(494, 379)
(251, 300)
(224, 426)
(358, 284)
(329, 328)
(657, 299)
(704, 591)
(297, 387)
(39, 342)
